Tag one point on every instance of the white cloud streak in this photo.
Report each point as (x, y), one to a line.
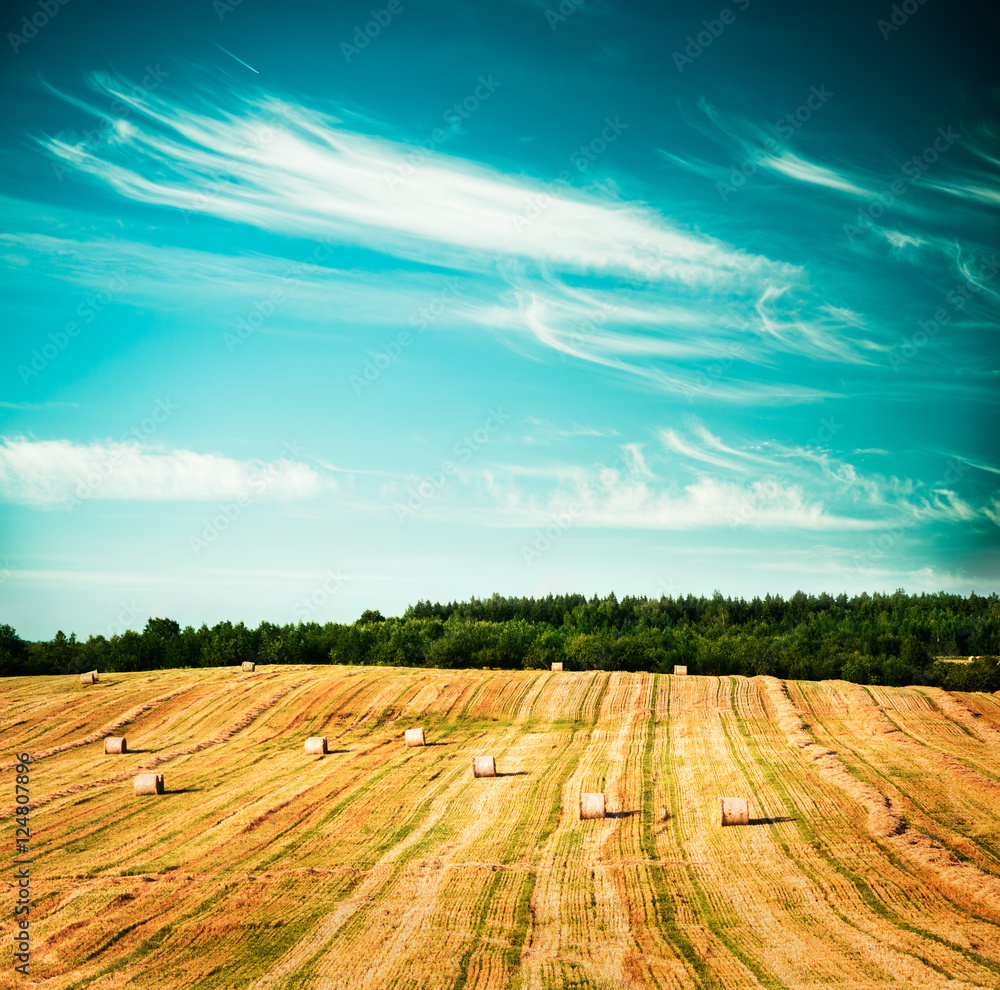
(696, 482)
(616, 502)
(287, 168)
(59, 472)
(682, 297)
(165, 274)
(798, 168)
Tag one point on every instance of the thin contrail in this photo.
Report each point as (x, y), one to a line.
(231, 55)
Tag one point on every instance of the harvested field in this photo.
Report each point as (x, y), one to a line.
(871, 857)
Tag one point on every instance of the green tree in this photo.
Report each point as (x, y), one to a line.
(60, 656)
(164, 628)
(14, 653)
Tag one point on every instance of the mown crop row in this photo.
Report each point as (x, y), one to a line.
(870, 860)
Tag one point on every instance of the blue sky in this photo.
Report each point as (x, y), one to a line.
(315, 308)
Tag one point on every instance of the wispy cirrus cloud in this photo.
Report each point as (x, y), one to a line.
(165, 274)
(830, 479)
(285, 167)
(767, 147)
(710, 449)
(587, 275)
(636, 460)
(954, 164)
(979, 180)
(544, 431)
(674, 442)
(801, 170)
(976, 463)
(669, 353)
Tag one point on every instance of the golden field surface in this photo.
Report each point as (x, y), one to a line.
(872, 856)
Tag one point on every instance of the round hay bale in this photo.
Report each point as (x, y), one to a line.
(591, 806)
(484, 766)
(415, 737)
(149, 783)
(89, 678)
(680, 669)
(316, 746)
(249, 665)
(557, 666)
(735, 811)
(115, 744)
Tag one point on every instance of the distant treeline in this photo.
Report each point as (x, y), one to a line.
(869, 639)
